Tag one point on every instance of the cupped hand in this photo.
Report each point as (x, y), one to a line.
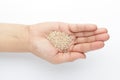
(87, 37)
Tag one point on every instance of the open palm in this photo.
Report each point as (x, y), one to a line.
(86, 37)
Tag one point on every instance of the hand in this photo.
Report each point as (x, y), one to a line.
(87, 37)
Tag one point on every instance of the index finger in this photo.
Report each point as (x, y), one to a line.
(82, 27)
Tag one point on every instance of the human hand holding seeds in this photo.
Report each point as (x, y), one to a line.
(59, 42)
(56, 42)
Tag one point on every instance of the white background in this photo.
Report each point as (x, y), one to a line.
(103, 64)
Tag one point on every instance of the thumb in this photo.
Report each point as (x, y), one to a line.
(68, 57)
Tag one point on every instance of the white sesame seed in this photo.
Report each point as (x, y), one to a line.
(60, 40)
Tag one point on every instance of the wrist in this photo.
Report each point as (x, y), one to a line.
(14, 38)
(26, 38)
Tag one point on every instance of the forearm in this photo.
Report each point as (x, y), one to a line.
(13, 38)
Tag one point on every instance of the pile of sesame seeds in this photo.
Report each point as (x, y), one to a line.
(60, 40)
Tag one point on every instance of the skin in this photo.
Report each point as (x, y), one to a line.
(32, 38)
